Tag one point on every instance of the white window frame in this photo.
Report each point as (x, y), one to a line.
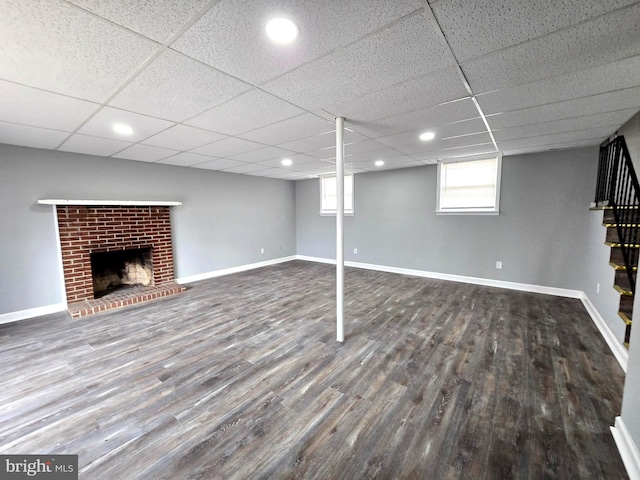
(494, 210)
(329, 212)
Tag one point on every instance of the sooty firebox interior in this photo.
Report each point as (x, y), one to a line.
(120, 268)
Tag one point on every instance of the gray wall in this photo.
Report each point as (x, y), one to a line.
(224, 221)
(540, 234)
(631, 399)
(599, 272)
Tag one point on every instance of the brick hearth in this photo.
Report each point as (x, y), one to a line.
(86, 229)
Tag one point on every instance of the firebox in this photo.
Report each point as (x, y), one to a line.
(113, 270)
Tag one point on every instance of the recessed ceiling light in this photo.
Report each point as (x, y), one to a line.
(426, 136)
(286, 162)
(123, 129)
(379, 163)
(282, 30)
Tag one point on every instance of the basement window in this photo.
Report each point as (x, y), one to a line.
(329, 195)
(469, 186)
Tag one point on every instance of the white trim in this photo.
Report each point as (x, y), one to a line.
(616, 347)
(61, 307)
(561, 292)
(306, 258)
(627, 448)
(142, 203)
(346, 211)
(228, 271)
(63, 285)
(32, 312)
(618, 350)
(495, 210)
(467, 212)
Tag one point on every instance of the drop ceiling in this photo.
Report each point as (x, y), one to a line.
(203, 87)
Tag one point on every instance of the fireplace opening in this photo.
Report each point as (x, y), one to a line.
(120, 269)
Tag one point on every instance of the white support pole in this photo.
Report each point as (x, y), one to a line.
(340, 229)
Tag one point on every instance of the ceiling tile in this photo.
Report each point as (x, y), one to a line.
(304, 163)
(617, 75)
(389, 162)
(183, 137)
(219, 164)
(484, 26)
(300, 176)
(617, 101)
(313, 164)
(370, 157)
(298, 161)
(414, 94)
(407, 49)
(365, 146)
(278, 173)
(593, 136)
(228, 147)
(322, 141)
(177, 88)
(247, 168)
(295, 128)
(469, 151)
(186, 159)
(424, 119)
(323, 26)
(283, 174)
(93, 145)
(245, 112)
(262, 154)
(557, 146)
(101, 125)
(31, 136)
(145, 153)
(548, 74)
(157, 19)
(58, 47)
(609, 119)
(30, 106)
(464, 133)
(603, 40)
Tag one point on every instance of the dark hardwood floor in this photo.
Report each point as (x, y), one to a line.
(241, 377)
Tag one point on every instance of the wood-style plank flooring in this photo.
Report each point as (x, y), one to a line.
(241, 377)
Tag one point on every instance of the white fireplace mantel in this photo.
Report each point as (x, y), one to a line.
(123, 203)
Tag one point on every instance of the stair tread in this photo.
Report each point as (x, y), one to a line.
(617, 245)
(621, 267)
(620, 207)
(626, 318)
(623, 291)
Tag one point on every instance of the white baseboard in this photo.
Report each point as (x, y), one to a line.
(228, 271)
(561, 292)
(621, 353)
(616, 347)
(32, 312)
(61, 307)
(627, 448)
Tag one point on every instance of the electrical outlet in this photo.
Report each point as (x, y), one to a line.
(262, 250)
(597, 288)
(499, 265)
(355, 251)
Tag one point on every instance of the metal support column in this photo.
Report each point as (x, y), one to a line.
(340, 229)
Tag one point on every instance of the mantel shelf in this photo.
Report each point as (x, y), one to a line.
(124, 203)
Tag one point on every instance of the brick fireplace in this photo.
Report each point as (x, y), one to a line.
(86, 230)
